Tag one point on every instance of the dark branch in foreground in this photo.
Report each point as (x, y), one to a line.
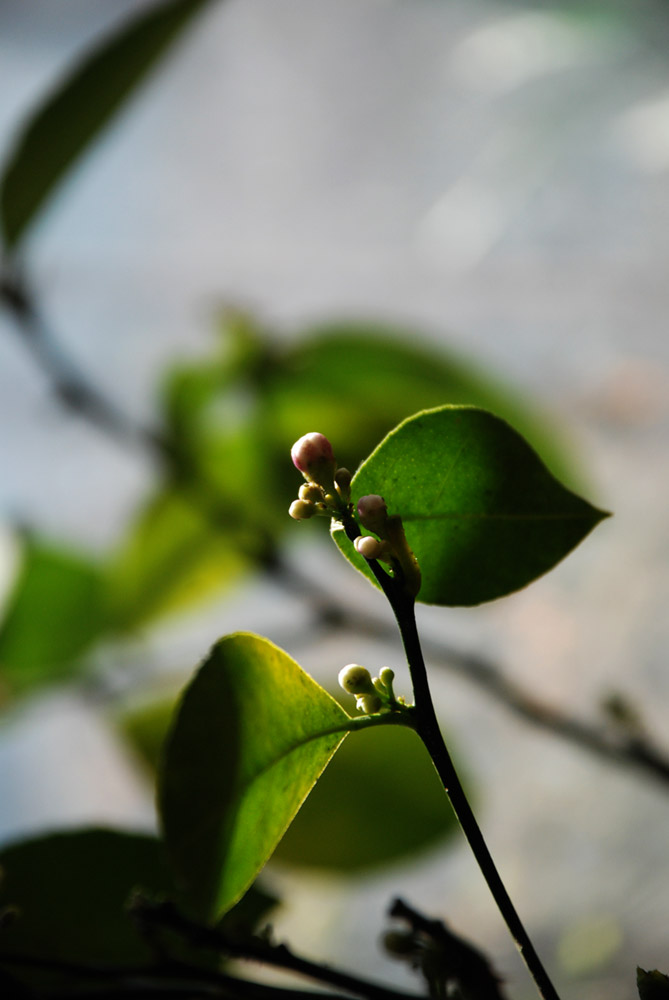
(168, 978)
(258, 949)
(617, 745)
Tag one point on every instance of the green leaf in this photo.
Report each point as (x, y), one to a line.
(54, 613)
(252, 735)
(70, 890)
(379, 801)
(173, 557)
(79, 108)
(481, 512)
(379, 791)
(652, 985)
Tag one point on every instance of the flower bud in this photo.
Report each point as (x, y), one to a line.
(373, 513)
(356, 679)
(313, 456)
(301, 510)
(387, 676)
(342, 478)
(369, 547)
(310, 492)
(368, 703)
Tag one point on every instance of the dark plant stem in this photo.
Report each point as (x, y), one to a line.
(428, 729)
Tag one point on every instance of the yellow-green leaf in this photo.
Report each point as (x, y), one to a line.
(251, 736)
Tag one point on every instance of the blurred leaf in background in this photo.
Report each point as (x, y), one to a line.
(55, 612)
(68, 893)
(78, 109)
(219, 508)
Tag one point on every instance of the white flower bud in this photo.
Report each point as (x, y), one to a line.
(301, 510)
(368, 703)
(356, 679)
(369, 547)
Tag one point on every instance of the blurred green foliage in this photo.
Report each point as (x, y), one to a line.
(66, 898)
(219, 508)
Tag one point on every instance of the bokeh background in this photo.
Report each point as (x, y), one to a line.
(492, 179)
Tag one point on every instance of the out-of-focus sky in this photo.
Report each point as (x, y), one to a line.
(495, 175)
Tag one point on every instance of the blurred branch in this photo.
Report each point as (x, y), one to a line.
(168, 978)
(447, 961)
(620, 745)
(72, 389)
(258, 949)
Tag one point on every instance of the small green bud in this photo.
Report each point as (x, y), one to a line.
(356, 679)
(387, 676)
(342, 478)
(310, 492)
(301, 510)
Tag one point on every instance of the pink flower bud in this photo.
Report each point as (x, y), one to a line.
(373, 513)
(313, 456)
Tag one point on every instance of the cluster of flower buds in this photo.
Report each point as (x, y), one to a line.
(373, 694)
(391, 546)
(327, 490)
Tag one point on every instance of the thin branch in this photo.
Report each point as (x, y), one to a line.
(427, 727)
(620, 747)
(259, 949)
(71, 387)
(168, 978)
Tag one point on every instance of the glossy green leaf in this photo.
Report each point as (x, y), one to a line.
(481, 512)
(652, 985)
(70, 891)
(251, 736)
(379, 791)
(80, 107)
(54, 613)
(173, 557)
(379, 801)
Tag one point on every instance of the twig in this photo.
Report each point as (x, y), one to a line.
(445, 959)
(169, 978)
(71, 387)
(629, 750)
(258, 949)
